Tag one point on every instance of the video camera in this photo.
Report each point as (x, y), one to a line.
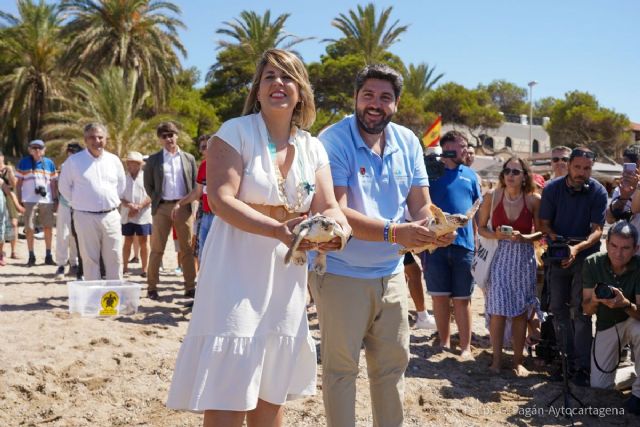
(434, 165)
(41, 190)
(558, 250)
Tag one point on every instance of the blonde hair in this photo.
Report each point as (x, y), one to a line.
(304, 113)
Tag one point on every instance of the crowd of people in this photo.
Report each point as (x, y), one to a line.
(247, 349)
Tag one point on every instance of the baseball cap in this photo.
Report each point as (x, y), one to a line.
(37, 143)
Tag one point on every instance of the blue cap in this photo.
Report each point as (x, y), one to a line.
(37, 143)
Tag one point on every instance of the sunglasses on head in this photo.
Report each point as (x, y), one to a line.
(514, 172)
(557, 159)
(167, 135)
(581, 153)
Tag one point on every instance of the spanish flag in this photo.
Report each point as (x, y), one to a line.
(432, 136)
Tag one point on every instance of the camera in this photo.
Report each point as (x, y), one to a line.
(603, 291)
(506, 229)
(41, 190)
(558, 249)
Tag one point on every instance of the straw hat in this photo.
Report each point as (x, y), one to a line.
(134, 156)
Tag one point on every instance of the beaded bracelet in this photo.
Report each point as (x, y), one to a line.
(385, 233)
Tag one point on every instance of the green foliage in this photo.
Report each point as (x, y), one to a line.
(543, 107)
(252, 34)
(110, 99)
(366, 34)
(411, 113)
(195, 115)
(31, 46)
(580, 120)
(461, 106)
(507, 97)
(419, 80)
(140, 36)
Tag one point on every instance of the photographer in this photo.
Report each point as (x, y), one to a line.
(37, 190)
(573, 207)
(620, 207)
(611, 290)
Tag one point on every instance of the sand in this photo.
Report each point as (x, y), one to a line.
(58, 369)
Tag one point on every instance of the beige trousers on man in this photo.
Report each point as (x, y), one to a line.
(162, 224)
(99, 235)
(356, 311)
(606, 352)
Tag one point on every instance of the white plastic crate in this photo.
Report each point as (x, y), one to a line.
(104, 297)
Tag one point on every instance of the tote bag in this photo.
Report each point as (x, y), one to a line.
(481, 265)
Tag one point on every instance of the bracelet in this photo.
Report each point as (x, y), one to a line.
(393, 239)
(385, 233)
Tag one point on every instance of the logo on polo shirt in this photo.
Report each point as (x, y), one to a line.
(363, 171)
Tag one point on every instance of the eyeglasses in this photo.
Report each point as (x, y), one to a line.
(167, 135)
(557, 159)
(581, 153)
(514, 172)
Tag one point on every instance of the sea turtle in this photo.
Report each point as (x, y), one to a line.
(317, 229)
(443, 223)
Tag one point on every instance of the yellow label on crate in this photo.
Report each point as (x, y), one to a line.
(109, 303)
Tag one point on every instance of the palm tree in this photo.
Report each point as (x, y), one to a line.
(252, 34)
(420, 79)
(138, 35)
(110, 99)
(31, 74)
(368, 35)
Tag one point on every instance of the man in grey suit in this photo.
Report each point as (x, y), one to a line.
(169, 175)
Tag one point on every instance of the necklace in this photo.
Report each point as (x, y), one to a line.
(510, 200)
(301, 188)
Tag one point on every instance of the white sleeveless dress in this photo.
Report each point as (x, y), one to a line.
(248, 338)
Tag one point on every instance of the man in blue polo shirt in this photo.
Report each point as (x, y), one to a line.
(573, 207)
(447, 271)
(378, 171)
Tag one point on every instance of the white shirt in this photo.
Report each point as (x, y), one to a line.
(173, 187)
(92, 184)
(134, 192)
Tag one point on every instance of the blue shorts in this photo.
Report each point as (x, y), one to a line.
(130, 229)
(205, 226)
(447, 272)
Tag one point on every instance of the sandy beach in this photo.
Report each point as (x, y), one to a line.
(58, 369)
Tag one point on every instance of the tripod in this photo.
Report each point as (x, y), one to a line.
(566, 392)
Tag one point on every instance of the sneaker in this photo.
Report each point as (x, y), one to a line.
(632, 405)
(429, 322)
(153, 295)
(143, 274)
(48, 260)
(31, 262)
(191, 293)
(73, 270)
(60, 272)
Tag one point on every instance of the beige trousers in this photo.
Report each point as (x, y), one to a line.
(353, 312)
(99, 234)
(162, 224)
(606, 352)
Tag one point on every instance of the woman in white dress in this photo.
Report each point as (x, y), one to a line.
(248, 348)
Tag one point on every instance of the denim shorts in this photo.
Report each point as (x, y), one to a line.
(447, 272)
(131, 229)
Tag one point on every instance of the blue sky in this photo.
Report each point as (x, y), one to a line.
(588, 45)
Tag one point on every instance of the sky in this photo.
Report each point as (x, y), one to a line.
(564, 45)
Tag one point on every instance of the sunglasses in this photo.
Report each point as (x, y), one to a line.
(557, 159)
(514, 172)
(202, 148)
(167, 135)
(580, 153)
(37, 148)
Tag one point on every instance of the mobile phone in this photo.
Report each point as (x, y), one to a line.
(629, 167)
(506, 229)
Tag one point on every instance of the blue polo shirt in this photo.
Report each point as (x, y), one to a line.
(572, 213)
(377, 187)
(455, 192)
